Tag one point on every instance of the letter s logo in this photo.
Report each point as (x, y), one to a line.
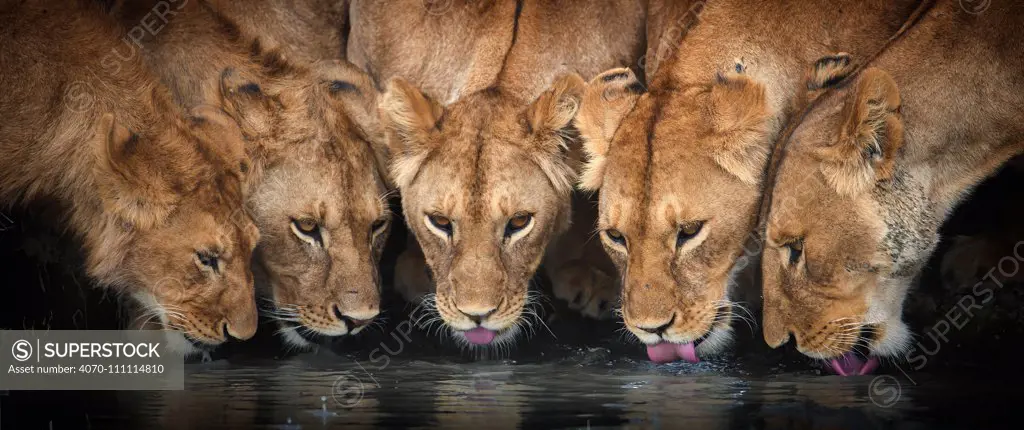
(22, 350)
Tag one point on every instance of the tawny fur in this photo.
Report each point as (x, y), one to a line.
(875, 169)
(723, 78)
(480, 107)
(316, 150)
(304, 31)
(145, 185)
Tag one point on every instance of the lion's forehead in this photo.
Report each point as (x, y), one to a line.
(666, 191)
(658, 167)
(800, 187)
(332, 164)
(319, 188)
(489, 180)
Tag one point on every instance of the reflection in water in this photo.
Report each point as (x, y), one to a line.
(545, 386)
(325, 391)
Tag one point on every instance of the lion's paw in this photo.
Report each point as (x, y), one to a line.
(587, 290)
(412, 276)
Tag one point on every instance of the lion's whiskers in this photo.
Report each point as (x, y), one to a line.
(282, 313)
(733, 308)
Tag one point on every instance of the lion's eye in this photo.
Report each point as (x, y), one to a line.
(517, 224)
(688, 231)
(208, 260)
(615, 236)
(442, 223)
(308, 228)
(796, 249)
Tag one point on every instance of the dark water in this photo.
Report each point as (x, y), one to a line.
(621, 393)
(565, 388)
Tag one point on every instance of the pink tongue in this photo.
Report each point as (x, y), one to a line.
(688, 352)
(850, 365)
(479, 336)
(665, 352)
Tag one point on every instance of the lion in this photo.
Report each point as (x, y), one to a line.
(154, 193)
(483, 152)
(678, 165)
(318, 191)
(873, 172)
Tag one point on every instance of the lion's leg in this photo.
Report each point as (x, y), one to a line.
(412, 276)
(586, 289)
(581, 273)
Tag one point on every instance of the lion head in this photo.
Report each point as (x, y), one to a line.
(678, 171)
(174, 234)
(154, 193)
(848, 230)
(485, 186)
(321, 200)
(316, 188)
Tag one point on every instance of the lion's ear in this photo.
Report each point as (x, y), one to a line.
(410, 122)
(827, 73)
(245, 101)
(739, 122)
(222, 136)
(549, 123)
(552, 113)
(357, 95)
(606, 101)
(129, 186)
(870, 137)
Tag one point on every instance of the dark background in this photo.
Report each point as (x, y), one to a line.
(40, 272)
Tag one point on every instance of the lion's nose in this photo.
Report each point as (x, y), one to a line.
(227, 334)
(657, 328)
(231, 334)
(783, 338)
(477, 314)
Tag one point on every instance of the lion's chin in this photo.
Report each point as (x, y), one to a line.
(716, 342)
(894, 340)
(302, 338)
(181, 343)
(291, 338)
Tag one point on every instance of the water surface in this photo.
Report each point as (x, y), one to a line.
(587, 388)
